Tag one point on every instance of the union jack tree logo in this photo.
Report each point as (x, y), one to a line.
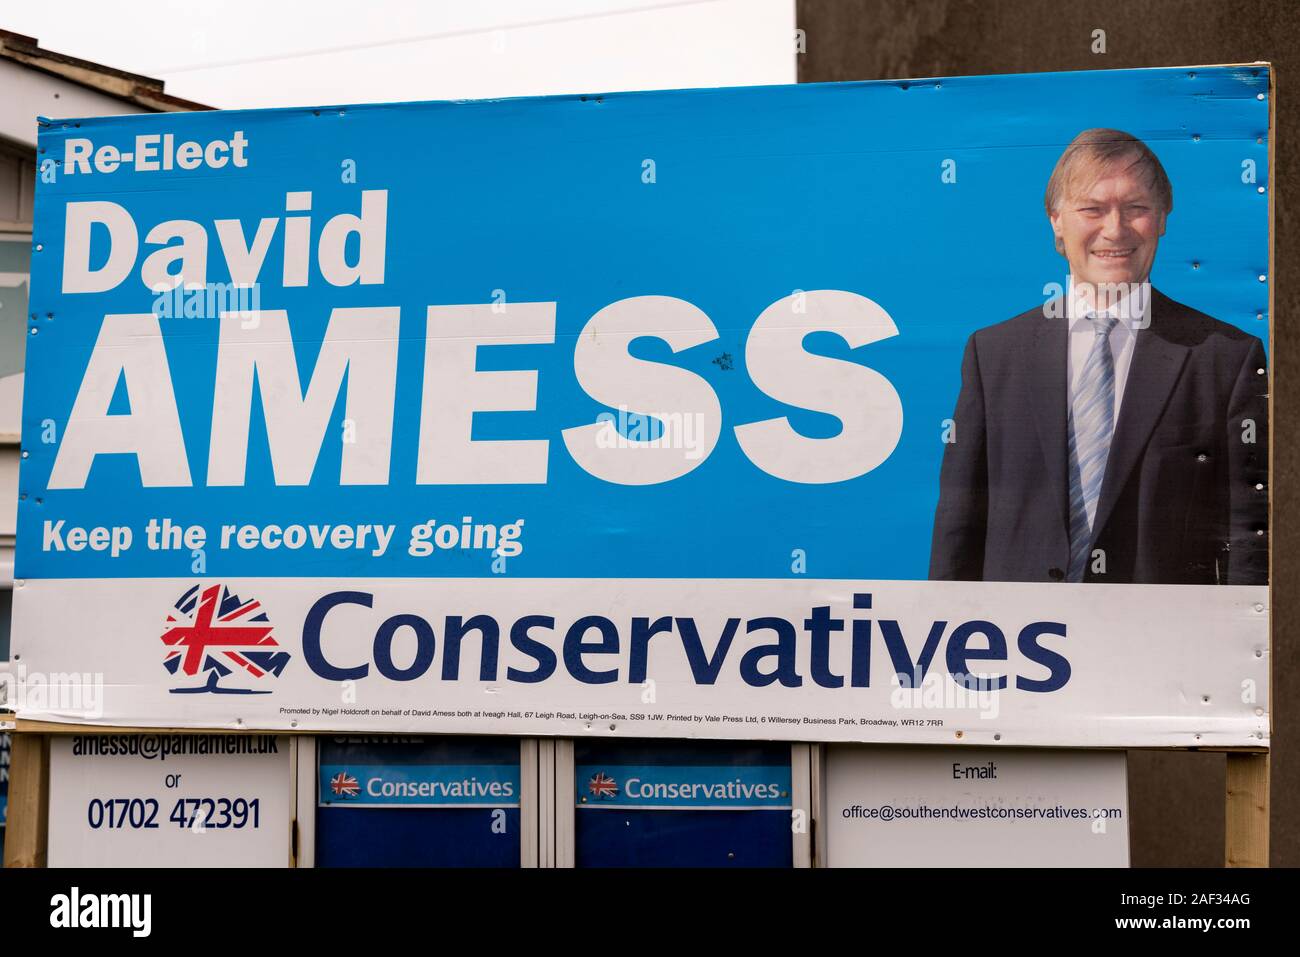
(344, 785)
(214, 633)
(602, 785)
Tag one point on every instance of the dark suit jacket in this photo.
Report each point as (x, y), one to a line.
(1179, 502)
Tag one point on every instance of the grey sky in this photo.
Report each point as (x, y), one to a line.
(252, 53)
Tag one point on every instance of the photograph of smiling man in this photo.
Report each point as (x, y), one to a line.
(1110, 434)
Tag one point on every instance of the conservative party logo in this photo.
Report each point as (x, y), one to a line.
(602, 785)
(345, 785)
(215, 636)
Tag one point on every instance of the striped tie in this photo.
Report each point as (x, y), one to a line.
(1092, 420)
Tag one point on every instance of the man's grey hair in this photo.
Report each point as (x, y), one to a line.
(1092, 151)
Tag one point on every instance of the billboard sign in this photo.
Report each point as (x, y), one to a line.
(122, 800)
(1002, 807)
(846, 412)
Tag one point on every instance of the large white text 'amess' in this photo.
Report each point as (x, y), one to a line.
(363, 342)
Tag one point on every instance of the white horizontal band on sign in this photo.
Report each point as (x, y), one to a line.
(814, 660)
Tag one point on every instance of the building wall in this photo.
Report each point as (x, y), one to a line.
(1177, 815)
(17, 185)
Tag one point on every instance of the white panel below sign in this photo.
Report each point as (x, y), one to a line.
(1078, 666)
(987, 807)
(122, 800)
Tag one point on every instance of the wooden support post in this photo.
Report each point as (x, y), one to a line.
(1246, 834)
(28, 826)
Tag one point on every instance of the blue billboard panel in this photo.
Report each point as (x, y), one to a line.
(696, 804)
(4, 783)
(413, 802)
(782, 399)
